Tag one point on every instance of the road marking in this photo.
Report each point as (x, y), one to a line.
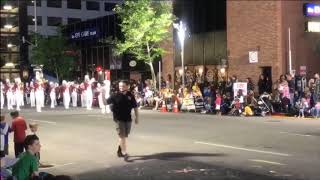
(244, 149)
(42, 121)
(268, 162)
(58, 165)
(296, 134)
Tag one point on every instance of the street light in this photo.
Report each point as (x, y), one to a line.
(7, 7)
(8, 26)
(181, 28)
(9, 45)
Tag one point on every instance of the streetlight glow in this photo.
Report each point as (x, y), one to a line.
(9, 45)
(181, 28)
(8, 26)
(7, 7)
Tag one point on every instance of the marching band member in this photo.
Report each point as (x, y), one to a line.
(32, 94)
(100, 100)
(52, 93)
(89, 95)
(38, 94)
(106, 93)
(74, 94)
(9, 94)
(18, 93)
(27, 93)
(66, 94)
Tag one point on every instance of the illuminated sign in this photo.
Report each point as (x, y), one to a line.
(86, 34)
(312, 10)
(313, 26)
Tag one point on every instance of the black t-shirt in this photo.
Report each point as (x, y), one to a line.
(122, 104)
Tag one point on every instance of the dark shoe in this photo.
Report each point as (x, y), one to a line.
(119, 153)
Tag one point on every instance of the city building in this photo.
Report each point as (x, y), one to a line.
(53, 13)
(13, 54)
(246, 39)
(17, 22)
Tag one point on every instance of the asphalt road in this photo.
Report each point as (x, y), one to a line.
(83, 144)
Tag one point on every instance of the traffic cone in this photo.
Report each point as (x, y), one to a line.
(164, 107)
(175, 107)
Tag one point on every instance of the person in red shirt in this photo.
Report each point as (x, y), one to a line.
(19, 128)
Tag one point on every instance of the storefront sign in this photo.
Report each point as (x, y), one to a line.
(313, 26)
(312, 10)
(86, 34)
(253, 56)
(240, 86)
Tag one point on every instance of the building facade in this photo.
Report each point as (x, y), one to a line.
(53, 13)
(263, 28)
(13, 53)
(247, 38)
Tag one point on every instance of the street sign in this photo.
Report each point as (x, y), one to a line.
(253, 56)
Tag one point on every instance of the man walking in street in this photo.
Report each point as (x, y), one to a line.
(122, 103)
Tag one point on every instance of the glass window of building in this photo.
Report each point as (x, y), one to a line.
(54, 21)
(93, 5)
(108, 6)
(74, 4)
(31, 20)
(31, 3)
(54, 3)
(73, 20)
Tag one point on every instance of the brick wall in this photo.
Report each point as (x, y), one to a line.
(167, 58)
(253, 25)
(263, 26)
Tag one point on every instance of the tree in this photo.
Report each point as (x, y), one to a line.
(52, 52)
(144, 25)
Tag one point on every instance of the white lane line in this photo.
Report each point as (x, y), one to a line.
(58, 165)
(244, 149)
(268, 162)
(296, 134)
(42, 121)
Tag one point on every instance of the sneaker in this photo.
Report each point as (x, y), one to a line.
(119, 152)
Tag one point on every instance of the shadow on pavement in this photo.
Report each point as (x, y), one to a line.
(175, 169)
(170, 156)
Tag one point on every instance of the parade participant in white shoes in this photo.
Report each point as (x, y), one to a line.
(52, 93)
(18, 93)
(66, 94)
(1, 94)
(32, 94)
(38, 94)
(106, 95)
(89, 94)
(27, 93)
(9, 94)
(74, 94)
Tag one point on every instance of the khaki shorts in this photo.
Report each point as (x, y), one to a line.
(123, 128)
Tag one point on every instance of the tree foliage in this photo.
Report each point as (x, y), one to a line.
(52, 53)
(144, 25)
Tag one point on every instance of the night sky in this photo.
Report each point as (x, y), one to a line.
(201, 15)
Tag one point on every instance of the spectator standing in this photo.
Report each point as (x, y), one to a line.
(262, 85)
(19, 128)
(291, 84)
(250, 84)
(316, 95)
(4, 132)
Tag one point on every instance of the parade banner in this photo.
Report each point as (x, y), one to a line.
(240, 86)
